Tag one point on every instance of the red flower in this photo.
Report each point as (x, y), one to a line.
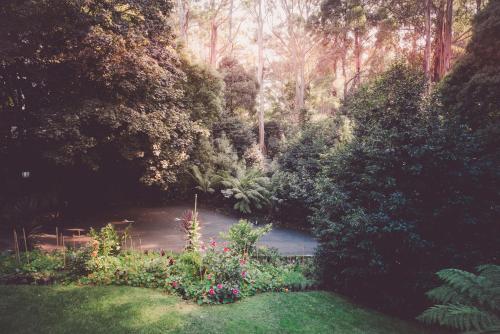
(219, 286)
(211, 291)
(243, 274)
(174, 284)
(213, 243)
(235, 291)
(226, 249)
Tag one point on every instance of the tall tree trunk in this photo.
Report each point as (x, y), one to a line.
(357, 55)
(260, 75)
(344, 62)
(427, 52)
(230, 28)
(183, 21)
(213, 43)
(448, 36)
(443, 40)
(301, 81)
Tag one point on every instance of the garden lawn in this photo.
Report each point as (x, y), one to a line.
(77, 309)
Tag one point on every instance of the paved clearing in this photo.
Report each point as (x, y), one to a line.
(158, 228)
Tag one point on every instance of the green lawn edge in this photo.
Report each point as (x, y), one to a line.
(115, 309)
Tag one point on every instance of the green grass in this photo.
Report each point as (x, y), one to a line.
(75, 309)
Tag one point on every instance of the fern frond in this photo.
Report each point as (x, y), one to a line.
(447, 294)
(468, 284)
(462, 317)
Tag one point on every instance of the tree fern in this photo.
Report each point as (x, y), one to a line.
(249, 187)
(205, 181)
(467, 302)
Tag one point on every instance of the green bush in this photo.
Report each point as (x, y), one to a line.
(38, 267)
(299, 163)
(106, 241)
(243, 236)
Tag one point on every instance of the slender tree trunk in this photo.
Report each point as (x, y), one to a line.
(183, 21)
(478, 5)
(357, 55)
(301, 80)
(443, 52)
(260, 75)
(448, 37)
(230, 28)
(213, 43)
(427, 52)
(344, 73)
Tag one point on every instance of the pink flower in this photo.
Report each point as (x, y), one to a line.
(211, 291)
(213, 243)
(209, 276)
(235, 291)
(219, 286)
(243, 261)
(243, 274)
(174, 284)
(226, 249)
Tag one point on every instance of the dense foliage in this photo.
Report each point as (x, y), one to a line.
(467, 302)
(299, 164)
(92, 87)
(240, 86)
(403, 198)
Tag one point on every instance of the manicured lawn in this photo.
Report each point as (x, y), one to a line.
(74, 309)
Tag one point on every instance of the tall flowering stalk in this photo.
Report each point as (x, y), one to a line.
(191, 227)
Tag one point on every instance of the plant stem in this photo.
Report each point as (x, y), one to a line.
(26, 245)
(64, 251)
(16, 247)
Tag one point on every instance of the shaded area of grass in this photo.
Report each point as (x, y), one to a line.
(75, 309)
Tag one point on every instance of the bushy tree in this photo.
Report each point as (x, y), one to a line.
(241, 87)
(203, 93)
(469, 95)
(92, 86)
(237, 128)
(298, 166)
(399, 201)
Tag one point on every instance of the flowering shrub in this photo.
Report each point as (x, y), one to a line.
(106, 241)
(222, 275)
